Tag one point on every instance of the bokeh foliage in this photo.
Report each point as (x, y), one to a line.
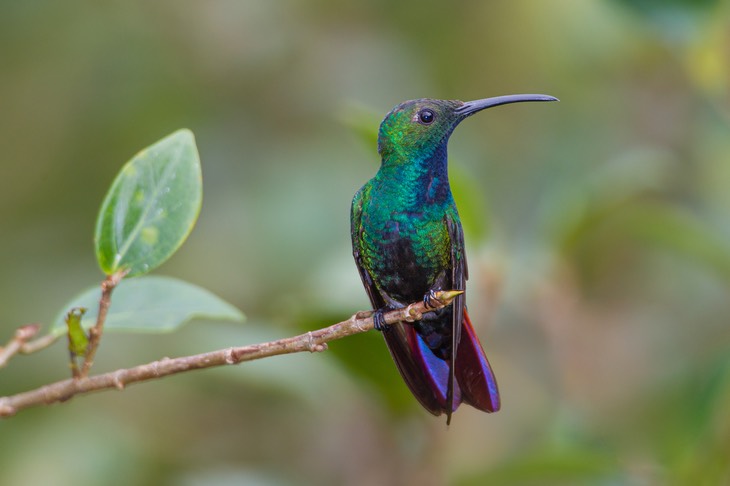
(597, 233)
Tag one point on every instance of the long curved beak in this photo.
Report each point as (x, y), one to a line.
(471, 107)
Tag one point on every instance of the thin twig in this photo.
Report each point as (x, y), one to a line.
(22, 335)
(107, 287)
(314, 341)
(21, 343)
(40, 343)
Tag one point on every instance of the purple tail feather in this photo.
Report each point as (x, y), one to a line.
(427, 376)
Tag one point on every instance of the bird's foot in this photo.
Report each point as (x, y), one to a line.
(379, 320)
(430, 301)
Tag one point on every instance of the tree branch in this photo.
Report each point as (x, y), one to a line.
(313, 341)
(19, 340)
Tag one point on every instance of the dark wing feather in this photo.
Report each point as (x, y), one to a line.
(458, 282)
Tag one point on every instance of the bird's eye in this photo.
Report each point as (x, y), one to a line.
(426, 117)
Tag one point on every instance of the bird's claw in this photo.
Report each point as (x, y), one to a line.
(379, 320)
(430, 301)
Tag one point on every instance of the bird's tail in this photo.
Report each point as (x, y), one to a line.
(473, 372)
(427, 375)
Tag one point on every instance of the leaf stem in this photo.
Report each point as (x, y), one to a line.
(107, 287)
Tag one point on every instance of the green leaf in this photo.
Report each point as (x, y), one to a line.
(77, 339)
(150, 304)
(151, 207)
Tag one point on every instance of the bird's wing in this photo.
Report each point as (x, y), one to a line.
(458, 282)
(459, 273)
(356, 233)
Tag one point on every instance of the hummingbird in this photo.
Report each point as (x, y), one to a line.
(408, 243)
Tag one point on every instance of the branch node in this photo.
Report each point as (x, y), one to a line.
(6, 410)
(230, 357)
(358, 318)
(412, 314)
(20, 337)
(155, 366)
(118, 381)
(312, 346)
(27, 332)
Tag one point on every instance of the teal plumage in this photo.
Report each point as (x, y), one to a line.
(408, 243)
(409, 196)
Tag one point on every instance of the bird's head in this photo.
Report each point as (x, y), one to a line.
(416, 128)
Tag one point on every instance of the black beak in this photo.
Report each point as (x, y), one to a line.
(471, 107)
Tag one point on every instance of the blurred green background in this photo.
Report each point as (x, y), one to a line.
(597, 232)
